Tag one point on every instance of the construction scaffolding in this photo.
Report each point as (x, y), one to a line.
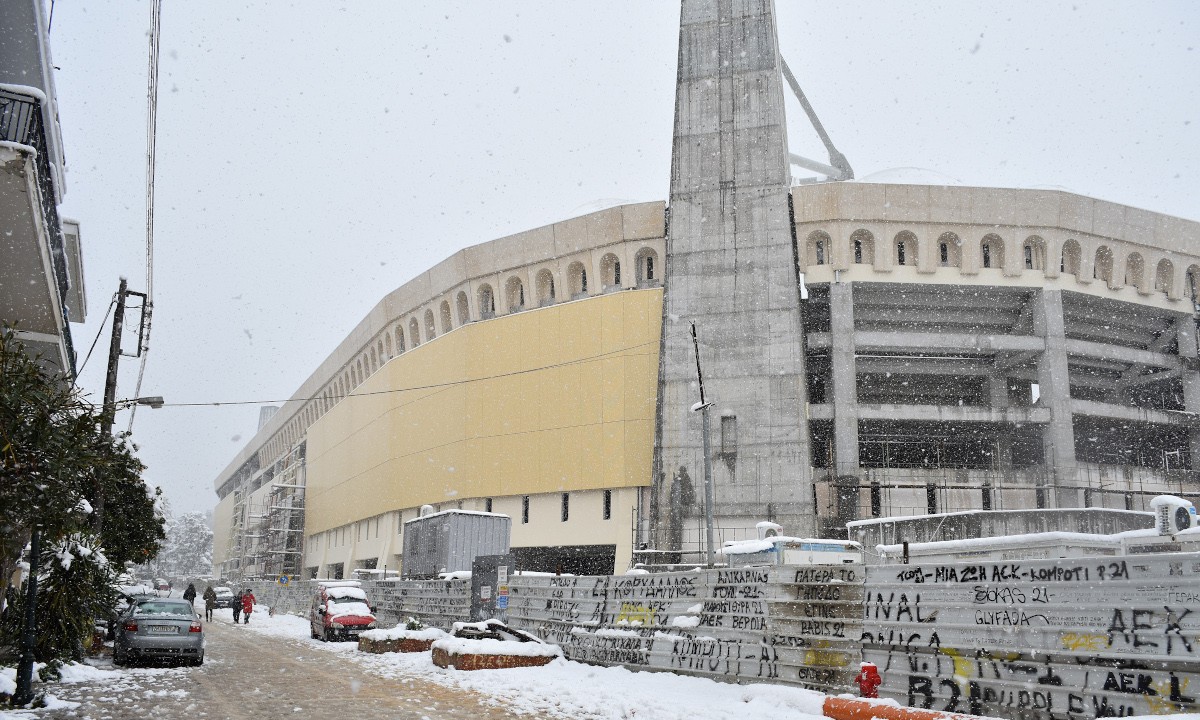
(285, 517)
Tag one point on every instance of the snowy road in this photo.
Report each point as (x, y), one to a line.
(271, 669)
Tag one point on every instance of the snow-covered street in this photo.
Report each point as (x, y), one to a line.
(270, 668)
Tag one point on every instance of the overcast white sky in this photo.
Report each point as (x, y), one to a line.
(313, 156)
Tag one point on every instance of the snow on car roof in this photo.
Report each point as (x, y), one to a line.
(222, 590)
(346, 592)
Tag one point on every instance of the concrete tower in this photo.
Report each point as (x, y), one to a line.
(731, 269)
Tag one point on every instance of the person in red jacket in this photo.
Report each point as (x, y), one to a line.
(247, 605)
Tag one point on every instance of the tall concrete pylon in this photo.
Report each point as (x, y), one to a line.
(731, 269)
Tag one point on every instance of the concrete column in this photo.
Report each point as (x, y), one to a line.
(1058, 437)
(1185, 334)
(845, 395)
(731, 268)
(998, 398)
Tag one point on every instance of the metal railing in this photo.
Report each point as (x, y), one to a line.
(21, 122)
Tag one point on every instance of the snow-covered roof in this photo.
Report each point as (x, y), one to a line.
(746, 547)
(346, 592)
(458, 512)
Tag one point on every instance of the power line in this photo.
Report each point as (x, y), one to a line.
(151, 145)
(432, 386)
(97, 339)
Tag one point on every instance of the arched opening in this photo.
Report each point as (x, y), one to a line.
(1193, 285)
(818, 247)
(400, 339)
(991, 251)
(648, 271)
(387, 346)
(487, 302)
(543, 284)
(464, 308)
(373, 362)
(1135, 270)
(1103, 268)
(610, 272)
(906, 248)
(359, 375)
(949, 250)
(444, 313)
(577, 280)
(1033, 253)
(430, 330)
(1071, 255)
(414, 332)
(862, 245)
(1164, 277)
(514, 294)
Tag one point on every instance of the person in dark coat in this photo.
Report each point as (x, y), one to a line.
(210, 601)
(237, 607)
(190, 594)
(247, 605)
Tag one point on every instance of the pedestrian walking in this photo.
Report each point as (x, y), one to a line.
(247, 605)
(210, 601)
(190, 594)
(237, 607)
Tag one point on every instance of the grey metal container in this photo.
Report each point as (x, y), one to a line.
(449, 541)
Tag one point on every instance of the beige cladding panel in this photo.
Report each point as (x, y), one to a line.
(222, 522)
(556, 399)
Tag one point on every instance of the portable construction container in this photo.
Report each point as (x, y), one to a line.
(450, 540)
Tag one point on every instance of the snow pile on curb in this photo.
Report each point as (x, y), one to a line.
(400, 633)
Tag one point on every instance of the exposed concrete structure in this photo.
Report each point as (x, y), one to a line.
(731, 270)
(871, 351)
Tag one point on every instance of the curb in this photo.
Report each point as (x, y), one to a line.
(851, 709)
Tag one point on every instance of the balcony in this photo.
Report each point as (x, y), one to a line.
(36, 289)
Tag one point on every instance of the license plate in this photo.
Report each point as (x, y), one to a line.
(162, 629)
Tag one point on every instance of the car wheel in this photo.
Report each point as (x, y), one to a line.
(328, 635)
(119, 658)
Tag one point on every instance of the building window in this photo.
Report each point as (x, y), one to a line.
(525, 509)
(900, 253)
(857, 251)
(820, 252)
(987, 256)
(608, 504)
(729, 435)
(1028, 257)
(487, 505)
(649, 267)
(566, 506)
(617, 273)
(944, 254)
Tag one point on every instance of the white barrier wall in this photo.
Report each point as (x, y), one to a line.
(1068, 638)
(790, 625)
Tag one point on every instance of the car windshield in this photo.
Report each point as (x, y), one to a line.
(163, 608)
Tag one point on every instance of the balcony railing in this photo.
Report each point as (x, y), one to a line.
(21, 121)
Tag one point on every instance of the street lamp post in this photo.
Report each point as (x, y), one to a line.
(703, 407)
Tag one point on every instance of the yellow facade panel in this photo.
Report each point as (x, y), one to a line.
(551, 400)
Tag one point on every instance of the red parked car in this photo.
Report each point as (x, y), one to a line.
(340, 611)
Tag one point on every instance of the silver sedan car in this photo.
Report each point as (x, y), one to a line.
(159, 629)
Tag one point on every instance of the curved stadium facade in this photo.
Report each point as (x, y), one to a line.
(871, 350)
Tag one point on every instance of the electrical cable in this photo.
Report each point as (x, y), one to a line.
(151, 146)
(431, 386)
(99, 330)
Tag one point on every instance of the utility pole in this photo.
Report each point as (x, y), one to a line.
(703, 407)
(109, 411)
